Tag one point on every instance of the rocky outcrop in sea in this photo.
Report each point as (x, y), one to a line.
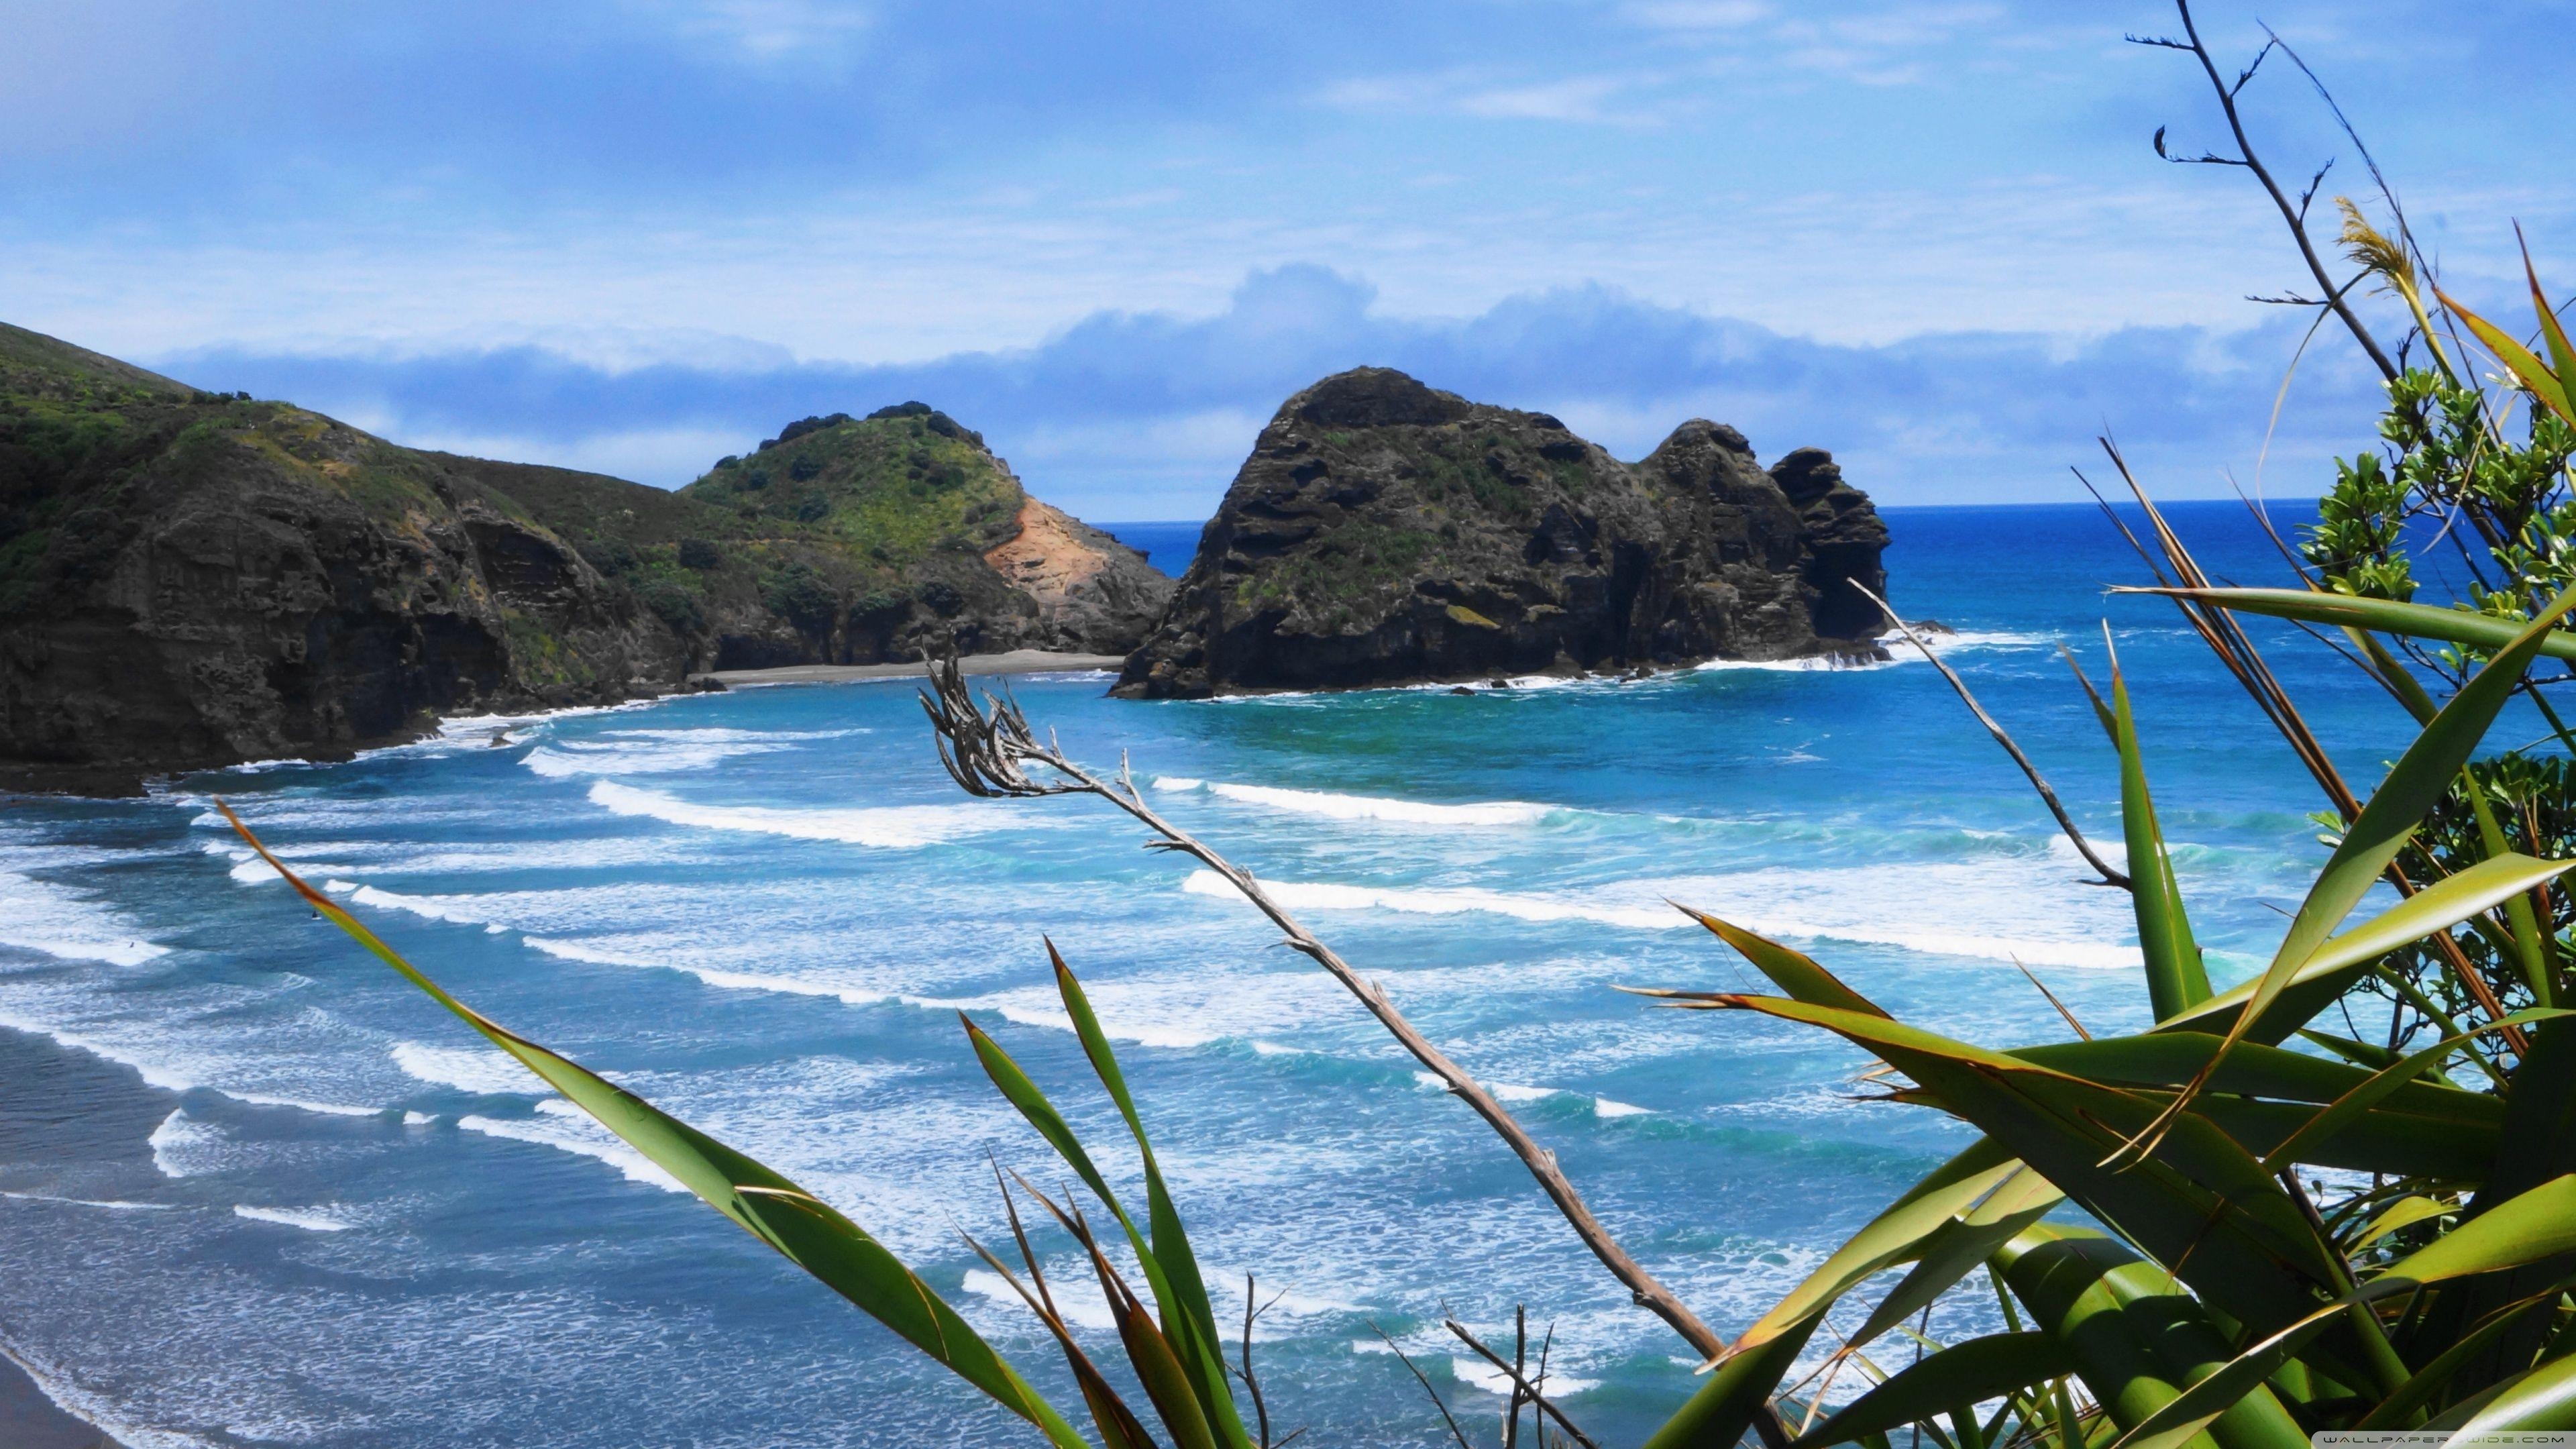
(1383, 532)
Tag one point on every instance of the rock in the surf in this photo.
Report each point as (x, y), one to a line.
(1385, 532)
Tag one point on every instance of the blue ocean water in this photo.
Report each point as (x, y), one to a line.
(254, 1189)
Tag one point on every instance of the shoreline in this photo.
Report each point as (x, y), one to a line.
(1017, 661)
(80, 1110)
(30, 1419)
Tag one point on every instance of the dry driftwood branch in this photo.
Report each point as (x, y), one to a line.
(988, 750)
(2065, 822)
(1521, 1387)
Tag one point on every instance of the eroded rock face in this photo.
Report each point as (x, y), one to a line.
(234, 580)
(191, 579)
(1094, 595)
(1384, 532)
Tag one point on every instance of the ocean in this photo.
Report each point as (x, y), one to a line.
(254, 1189)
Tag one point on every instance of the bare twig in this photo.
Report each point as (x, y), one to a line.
(988, 751)
(1520, 1385)
(1454, 1431)
(2246, 158)
(2065, 822)
(1260, 1410)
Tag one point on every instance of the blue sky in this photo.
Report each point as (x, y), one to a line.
(636, 234)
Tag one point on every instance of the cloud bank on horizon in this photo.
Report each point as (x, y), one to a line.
(633, 235)
(1133, 416)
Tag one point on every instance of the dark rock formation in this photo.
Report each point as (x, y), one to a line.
(1383, 532)
(191, 579)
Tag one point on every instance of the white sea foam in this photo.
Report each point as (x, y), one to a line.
(1076, 1295)
(566, 1128)
(327, 1109)
(94, 1410)
(183, 1146)
(1604, 1107)
(562, 759)
(49, 919)
(1333, 806)
(889, 827)
(109, 1203)
(305, 1218)
(1983, 910)
(1475, 1373)
(455, 910)
(717, 735)
(480, 1070)
(730, 980)
(1325, 896)
(1036, 1008)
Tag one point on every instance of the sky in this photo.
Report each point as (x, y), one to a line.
(636, 235)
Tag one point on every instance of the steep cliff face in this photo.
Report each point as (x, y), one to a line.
(1384, 532)
(193, 579)
(190, 579)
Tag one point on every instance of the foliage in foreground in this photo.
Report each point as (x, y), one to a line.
(2230, 1231)
(2211, 1297)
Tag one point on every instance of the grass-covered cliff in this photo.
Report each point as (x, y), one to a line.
(852, 541)
(189, 578)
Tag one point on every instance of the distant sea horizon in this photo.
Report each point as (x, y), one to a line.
(253, 1188)
(1169, 544)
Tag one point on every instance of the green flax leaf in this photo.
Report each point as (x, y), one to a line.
(802, 1228)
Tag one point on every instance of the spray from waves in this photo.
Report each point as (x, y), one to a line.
(566, 1128)
(1602, 1107)
(479, 1070)
(888, 827)
(1366, 807)
(436, 908)
(67, 926)
(562, 759)
(182, 1146)
(1475, 1373)
(305, 1218)
(1855, 905)
(729, 980)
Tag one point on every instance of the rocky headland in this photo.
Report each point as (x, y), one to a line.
(191, 579)
(1383, 532)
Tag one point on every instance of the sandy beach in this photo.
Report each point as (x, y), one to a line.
(1018, 661)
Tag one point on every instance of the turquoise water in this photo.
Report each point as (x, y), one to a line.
(260, 1191)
